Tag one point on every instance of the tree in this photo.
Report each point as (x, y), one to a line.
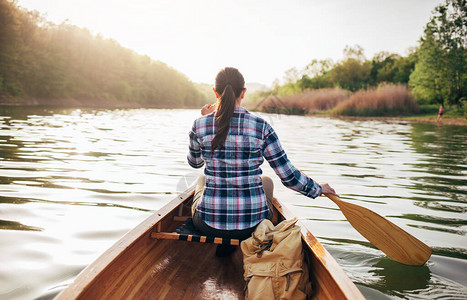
(315, 75)
(427, 80)
(404, 66)
(440, 74)
(353, 72)
(50, 62)
(318, 68)
(9, 47)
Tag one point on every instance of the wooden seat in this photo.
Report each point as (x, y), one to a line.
(187, 232)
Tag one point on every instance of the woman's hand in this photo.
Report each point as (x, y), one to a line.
(207, 109)
(327, 189)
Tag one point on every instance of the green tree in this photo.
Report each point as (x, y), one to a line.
(9, 47)
(440, 74)
(404, 66)
(50, 62)
(353, 72)
(316, 75)
(427, 80)
(382, 67)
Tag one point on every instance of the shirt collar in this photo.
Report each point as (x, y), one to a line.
(240, 109)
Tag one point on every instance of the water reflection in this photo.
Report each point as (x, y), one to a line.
(12, 225)
(435, 220)
(15, 200)
(445, 151)
(396, 277)
(438, 205)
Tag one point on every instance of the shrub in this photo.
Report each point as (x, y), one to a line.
(386, 100)
(305, 102)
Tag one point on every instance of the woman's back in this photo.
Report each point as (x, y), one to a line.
(233, 183)
(231, 142)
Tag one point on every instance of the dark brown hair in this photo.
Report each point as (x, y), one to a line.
(229, 85)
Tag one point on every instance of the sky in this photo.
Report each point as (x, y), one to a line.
(262, 38)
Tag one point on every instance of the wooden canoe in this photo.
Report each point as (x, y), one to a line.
(141, 267)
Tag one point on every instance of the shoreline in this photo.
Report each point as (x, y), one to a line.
(423, 118)
(72, 103)
(75, 103)
(412, 119)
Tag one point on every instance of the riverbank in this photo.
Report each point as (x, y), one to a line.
(386, 102)
(87, 103)
(73, 103)
(63, 102)
(414, 119)
(422, 118)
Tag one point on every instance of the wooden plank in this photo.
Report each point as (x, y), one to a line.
(176, 236)
(181, 218)
(165, 235)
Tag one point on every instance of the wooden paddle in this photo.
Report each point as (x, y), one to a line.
(385, 235)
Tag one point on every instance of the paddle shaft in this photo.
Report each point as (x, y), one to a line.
(385, 235)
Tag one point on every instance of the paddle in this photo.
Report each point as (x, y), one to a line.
(385, 235)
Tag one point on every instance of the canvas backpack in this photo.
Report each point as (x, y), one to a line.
(273, 261)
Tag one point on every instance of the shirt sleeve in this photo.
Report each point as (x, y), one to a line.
(194, 150)
(289, 175)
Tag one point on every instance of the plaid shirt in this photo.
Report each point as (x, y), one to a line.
(233, 198)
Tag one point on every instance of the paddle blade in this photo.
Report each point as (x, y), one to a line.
(385, 235)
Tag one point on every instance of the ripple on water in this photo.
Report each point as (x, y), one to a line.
(72, 181)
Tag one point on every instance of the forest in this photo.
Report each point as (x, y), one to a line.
(46, 63)
(430, 75)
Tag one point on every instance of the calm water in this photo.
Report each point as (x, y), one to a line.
(72, 182)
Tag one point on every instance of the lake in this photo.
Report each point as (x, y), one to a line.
(73, 181)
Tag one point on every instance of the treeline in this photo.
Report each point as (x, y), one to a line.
(354, 72)
(435, 72)
(65, 64)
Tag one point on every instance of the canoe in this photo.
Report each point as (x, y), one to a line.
(140, 266)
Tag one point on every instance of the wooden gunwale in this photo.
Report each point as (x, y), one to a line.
(137, 258)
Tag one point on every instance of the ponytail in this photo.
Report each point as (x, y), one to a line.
(223, 116)
(229, 84)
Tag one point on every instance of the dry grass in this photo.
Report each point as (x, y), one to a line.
(306, 102)
(386, 100)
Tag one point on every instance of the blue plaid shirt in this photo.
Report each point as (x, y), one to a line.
(233, 198)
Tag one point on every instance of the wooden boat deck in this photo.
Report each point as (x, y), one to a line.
(141, 267)
(181, 270)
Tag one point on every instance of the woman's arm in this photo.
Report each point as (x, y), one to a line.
(194, 150)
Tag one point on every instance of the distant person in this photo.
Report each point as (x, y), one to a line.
(232, 197)
(440, 113)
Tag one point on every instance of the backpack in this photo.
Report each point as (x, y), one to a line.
(273, 261)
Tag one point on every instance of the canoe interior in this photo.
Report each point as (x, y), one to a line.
(139, 267)
(172, 270)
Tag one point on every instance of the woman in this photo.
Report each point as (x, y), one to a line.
(232, 197)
